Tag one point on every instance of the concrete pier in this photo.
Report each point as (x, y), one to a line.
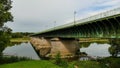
(41, 45)
(50, 47)
(66, 47)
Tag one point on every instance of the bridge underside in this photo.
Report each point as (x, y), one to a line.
(108, 27)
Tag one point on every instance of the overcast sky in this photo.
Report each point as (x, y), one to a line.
(39, 15)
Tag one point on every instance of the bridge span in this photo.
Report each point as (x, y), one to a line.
(63, 38)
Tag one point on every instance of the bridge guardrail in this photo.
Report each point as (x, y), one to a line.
(82, 21)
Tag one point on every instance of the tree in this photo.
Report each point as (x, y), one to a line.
(5, 16)
(114, 49)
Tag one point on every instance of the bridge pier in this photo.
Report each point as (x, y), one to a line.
(41, 45)
(51, 47)
(66, 47)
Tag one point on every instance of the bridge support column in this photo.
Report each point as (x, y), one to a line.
(66, 47)
(41, 45)
(50, 47)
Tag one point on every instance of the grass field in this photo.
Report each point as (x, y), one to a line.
(49, 64)
(113, 63)
(30, 64)
(89, 64)
(19, 40)
(94, 40)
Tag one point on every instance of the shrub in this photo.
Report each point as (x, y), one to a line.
(60, 62)
(4, 60)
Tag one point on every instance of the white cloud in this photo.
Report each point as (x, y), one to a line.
(38, 14)
(99, 7)
(111, 3)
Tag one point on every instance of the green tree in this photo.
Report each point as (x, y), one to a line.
(5, 16)
(114, 49)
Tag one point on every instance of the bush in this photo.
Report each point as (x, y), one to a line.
(110, 62)
(4, 60)
(58, 59)
(60, 62)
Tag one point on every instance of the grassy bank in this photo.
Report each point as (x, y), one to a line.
(50, 64)
(30, 64)
(102, 63)
(12, 59)
(99, 40)
(26, 39)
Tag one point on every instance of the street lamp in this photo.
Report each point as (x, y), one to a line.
(74, 17)
(54, 24)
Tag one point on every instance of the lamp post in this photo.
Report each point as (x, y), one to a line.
(54, 24)
(74, 17)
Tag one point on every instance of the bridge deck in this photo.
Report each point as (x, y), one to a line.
(92, 19)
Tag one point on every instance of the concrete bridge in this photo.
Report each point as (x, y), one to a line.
(63, 38)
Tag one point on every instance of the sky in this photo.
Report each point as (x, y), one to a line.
(40, 15)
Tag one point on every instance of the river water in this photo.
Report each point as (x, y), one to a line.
(96, 49)
(26, 50)
(21, 50)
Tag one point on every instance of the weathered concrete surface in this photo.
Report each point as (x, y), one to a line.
(51, 47)
(43, 46)
(66, 47)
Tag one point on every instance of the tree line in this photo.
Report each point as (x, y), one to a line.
(5, 16)
(20, 34)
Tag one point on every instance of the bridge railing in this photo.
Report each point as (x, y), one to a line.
(86, 20)
(101, 15)
(94, 17)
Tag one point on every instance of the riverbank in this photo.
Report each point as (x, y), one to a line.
(50, 64)
(99, 63)
(30, 64)
(25, 39)
(98, 40)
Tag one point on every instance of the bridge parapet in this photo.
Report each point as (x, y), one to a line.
(100, 15)
(103, 25)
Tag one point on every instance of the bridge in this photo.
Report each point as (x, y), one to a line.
(63, 38)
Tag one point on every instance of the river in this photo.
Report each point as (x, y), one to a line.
(21, 50)
(96, 50)
(26, 50)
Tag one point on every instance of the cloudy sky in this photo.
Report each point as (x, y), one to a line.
(39, 15)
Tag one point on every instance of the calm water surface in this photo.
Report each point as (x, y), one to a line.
(95, 49)
(26, 50)
(21, 50)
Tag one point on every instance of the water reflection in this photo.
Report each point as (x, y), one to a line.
(21, 50)
(95, 49)
(86, 49)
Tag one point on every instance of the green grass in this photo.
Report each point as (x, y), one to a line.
(30, 64)
(89, 64)
(98, 40)
(113, 63)
(50, 64)
(19, 39)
